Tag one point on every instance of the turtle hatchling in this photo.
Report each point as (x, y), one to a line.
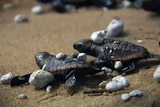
(69, 67)
(111, 50)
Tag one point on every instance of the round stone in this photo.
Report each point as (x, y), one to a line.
(118, 65)
(115, 28)
(98, 36)
(121, 79)
(156, 74)
(125, 97)
(37, 9)
(136, 93)
(40, 78)
(49, 88)
(82, 57)
(22, 96)
(61, 55)
(20, 18)
(6, 79)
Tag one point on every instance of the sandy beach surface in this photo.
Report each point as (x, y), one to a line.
(54, 32)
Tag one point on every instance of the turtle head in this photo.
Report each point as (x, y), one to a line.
(84, 46)
(41, 57)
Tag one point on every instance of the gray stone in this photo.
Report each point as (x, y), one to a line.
(125, 97)
(6, 79)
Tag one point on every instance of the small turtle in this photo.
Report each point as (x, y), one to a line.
(69, 67)
(110, 51)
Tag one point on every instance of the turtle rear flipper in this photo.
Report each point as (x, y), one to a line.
(19, 80)
(157, 56)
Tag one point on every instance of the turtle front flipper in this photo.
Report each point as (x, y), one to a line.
(128, 69)
(100, 62)
(69, 84)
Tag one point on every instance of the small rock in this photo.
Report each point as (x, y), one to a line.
(37, 9)
(121, 79)
(118, 65)
(98, 36)
(140, 41)
(125, 97)
(6, 79)
(82, 57)
(156, 74)
(102, 84)
(113, 86)
(40, 78)
(115, 28)
(49, 88)
(7, 6)
(22, 96)
(61, 55)
(136, 93)
(20, 18)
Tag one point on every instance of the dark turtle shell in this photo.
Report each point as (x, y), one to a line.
(59, 66)
(112, 49)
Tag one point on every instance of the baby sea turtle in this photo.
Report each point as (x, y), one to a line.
(110, 51)
(61, 65)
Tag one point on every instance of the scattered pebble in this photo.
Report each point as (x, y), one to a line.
(140, 41)
(118, 65)
(98, 36)
(7, 6)
(6, 79)
(156, 74)
(37, 9)
(22, 96)
(113, 86)
(82, 57)
(61, 55)
(136, 93)
(125, 97)
(115, 28)
(40, 78)
(49, 88)
(121, 79)
(21, 18)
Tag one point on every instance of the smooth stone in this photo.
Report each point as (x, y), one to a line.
(98, 36)
(37, 9)
(40, 78)
(136, 93)
(121, 79)
(22, 96)
(7, 6)
(125, 4)
(125, 97)
(118, 65)
(113, 86)
(156, 74)
(115, 28)
(6, 79)
(60, 55)
(82, 57)
(140, 41)
(49, 88)
(20, 18)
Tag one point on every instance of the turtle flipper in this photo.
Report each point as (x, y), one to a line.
(128, 69)
(19, 80)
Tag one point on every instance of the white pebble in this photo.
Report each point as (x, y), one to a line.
(61, 55)
(118, 65)
(20, 18)
(98, 36)
(40, 78)
(140, 41)
(125, 97)
(106, 69)
(49, 88)
(113, 86)
(37, 9)
(22, 96)
(7, 6)
(136, 93)
(115, 28)
(82, 57)
(125, 4)
(6, 79)
(121, 79)
(156, 74)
